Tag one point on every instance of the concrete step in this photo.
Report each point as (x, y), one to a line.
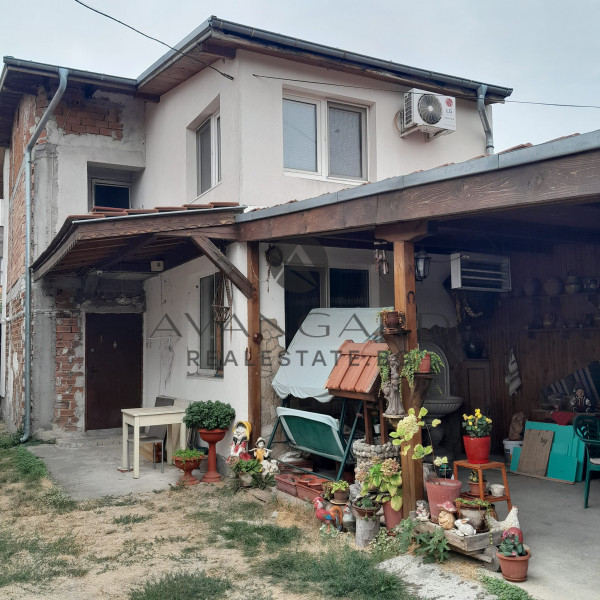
(101, 437)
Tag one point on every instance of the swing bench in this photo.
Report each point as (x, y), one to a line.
(317, 434)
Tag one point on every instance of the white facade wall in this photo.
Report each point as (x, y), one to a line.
(252, 133)
(166, 371)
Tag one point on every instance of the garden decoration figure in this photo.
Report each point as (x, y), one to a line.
(446, 516)
(241, 435)
(328, 517)
(349, 520)
(269, 467)
(390, 384)
(261, 452)
(464, 527)
(580, 402)
(422, 510)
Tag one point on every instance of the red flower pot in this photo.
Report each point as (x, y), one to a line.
(425, 364)
(477, 449)
(212, 436)
(514, 568)
(439, 491)
(392, 517)
(187, 466)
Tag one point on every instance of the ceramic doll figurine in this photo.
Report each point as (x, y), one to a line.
(422, 510)
(580, 402)
(261, 452)
(241, 435)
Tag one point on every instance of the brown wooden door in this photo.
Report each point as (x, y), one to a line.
(113, 374)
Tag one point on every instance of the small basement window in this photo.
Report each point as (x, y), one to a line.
(110, 194)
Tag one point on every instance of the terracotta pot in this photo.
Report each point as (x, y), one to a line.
(477, 449)
(390, 319)
(514, 568)
(425, 364)
(392, 517)
(187, 466)
(364, 513)
(474, 488)
(341, 495)
(440, 491)
(475, 514)
(211, 437)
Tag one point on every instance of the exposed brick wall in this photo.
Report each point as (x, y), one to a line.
(15, 345)
(21, 134)
(76, 115)
(69, 373)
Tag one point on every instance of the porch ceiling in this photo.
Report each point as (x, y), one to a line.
(124, 246)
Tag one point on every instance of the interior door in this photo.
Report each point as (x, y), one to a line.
(113, 374)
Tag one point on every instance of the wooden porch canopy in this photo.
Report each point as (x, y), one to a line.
(127, 242)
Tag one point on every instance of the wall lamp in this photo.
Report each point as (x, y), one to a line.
(422, 263)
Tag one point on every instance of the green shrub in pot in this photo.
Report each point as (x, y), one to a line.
(208, 414)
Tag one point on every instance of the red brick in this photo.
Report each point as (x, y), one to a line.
(74, 120)
(105, 131)
(118, 135)
(63, 328)
(89, 129)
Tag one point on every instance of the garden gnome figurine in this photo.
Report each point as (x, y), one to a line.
(422, 510)
(391, 390)
(580, 402)
(241, 435)
(446, 516)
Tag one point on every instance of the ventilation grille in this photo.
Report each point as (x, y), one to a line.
(482, 272)
(430, 109)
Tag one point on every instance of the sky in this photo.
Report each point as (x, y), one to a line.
(548, 51)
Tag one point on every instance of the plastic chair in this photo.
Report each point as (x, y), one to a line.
(587, 429)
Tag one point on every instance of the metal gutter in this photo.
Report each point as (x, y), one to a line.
(215, 24)
(63, 74)
(74, 74)
(549, 150)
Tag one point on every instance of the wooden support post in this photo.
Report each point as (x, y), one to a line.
(254, 339)
(404, 301)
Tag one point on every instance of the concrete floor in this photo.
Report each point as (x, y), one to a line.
(563, 536)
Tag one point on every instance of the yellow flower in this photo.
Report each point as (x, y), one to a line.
(488, 420)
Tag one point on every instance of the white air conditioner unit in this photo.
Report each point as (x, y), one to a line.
(482, 272)
(429, 113)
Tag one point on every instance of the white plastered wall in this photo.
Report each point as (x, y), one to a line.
(251, 133)
(168, 336)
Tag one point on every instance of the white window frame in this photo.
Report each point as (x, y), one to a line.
(322, 107)
(214, 124)
(94, 181)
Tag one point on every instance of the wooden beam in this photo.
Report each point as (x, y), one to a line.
(404, 301)
(254, 340)
(222, 263)
(133, 246)
(409, 231)
(573, 178)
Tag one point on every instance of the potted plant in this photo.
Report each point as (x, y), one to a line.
(513, 556)
(474, 482)
(475, 510)
(211, 419)
(477, 437)
(187, 460)
(244, 467)
(439, 490)
(420, 361)
(391, 319)
(340, 490)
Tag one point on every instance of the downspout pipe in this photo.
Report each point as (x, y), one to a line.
(489, 135)
(63, 75)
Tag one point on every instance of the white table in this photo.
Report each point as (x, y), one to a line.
(155, 415)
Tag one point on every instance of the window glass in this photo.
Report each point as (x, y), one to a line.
(203, 141)
(348, 288)
(345, 142)
(207, 323)
(302, 294)
(218, 148)
(299, 135)
(111, 196)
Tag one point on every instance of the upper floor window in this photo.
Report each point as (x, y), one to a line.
(326, 138)
(110, 194)
(208, 153)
